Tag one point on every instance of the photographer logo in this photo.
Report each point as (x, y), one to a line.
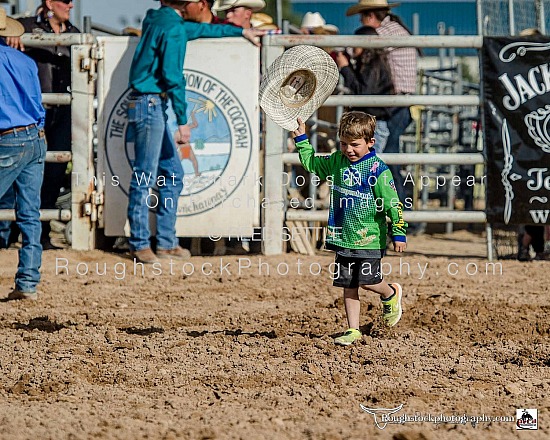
(527, 419)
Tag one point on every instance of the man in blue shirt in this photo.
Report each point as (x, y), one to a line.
(22, 152)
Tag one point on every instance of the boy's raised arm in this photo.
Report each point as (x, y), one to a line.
(322, 166)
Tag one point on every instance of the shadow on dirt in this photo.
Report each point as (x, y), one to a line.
(142, 331)
(42, 323)
(238, 332)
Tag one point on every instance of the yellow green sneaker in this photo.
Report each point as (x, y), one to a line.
(349, 337)
(392, 308)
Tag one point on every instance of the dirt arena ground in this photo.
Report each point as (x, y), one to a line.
(216, 354)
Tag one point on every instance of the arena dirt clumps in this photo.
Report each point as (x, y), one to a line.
(227, 356)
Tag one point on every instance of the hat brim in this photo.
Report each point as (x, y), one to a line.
(265, 26)
(13, 28)
(357, 9)
(263, 17)
(310, 58)
(328, 28)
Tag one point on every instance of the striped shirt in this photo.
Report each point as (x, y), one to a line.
(402, 59)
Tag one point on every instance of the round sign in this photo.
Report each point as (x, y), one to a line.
(218, 155)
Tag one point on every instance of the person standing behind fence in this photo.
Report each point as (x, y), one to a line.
(54, 70)
(402, 60)
(313, 23)
(22, 153)
(239, 12)
(242, 14)
(532, 236)
(156, 76)
(200, 11)
(371, 75)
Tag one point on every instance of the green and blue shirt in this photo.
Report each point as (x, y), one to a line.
(362, 195)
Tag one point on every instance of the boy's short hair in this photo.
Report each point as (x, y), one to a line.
(357, 125)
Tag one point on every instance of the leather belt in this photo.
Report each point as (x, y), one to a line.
(17, 129)
(162, 95)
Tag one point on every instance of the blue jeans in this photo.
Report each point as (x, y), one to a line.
(381, 134)
(397, 124)
(22, 157)
(155, 155)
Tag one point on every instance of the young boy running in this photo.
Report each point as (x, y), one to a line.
(362, 194)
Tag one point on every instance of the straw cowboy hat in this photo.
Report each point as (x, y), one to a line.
(369, 5)
(223, 5)
(296, 84)
(314, 20)
(9, 27)
(259, 20)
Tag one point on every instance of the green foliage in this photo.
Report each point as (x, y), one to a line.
(288, 14)
(467, 74)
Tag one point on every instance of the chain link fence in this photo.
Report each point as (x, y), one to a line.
(510, 17)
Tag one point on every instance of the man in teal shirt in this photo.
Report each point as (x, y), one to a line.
(156, 75)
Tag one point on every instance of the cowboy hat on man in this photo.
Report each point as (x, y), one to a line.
(369, 5)
(239, 12)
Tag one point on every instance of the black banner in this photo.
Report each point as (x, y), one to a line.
(516, 84)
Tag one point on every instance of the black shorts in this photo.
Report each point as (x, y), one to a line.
(353, 272)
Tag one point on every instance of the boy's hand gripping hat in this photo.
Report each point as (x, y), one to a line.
(296, 84)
